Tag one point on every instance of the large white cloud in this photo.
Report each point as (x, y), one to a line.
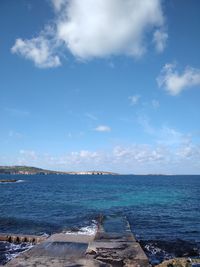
(108, 27)
(174, 82)
(96, 29)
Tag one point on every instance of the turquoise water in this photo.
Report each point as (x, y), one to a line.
(158, 207)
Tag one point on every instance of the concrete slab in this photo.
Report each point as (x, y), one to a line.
(118, 253)
(54, 262)
(111, 237)
(58, 250)
(117, 248)
(71, 237)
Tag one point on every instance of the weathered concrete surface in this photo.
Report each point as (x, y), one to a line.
(127, 237)
(59, 250)
(117, 248)
(71, 237)
(55, 262)
(55, 254)
(118, 252)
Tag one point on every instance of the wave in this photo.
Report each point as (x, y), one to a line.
(20, 181)
(12, 182)
(85, 230)
(9, 251)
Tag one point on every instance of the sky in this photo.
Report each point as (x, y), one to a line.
(109, 85)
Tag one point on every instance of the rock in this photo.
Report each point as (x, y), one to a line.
(179, 262)
(8, 181)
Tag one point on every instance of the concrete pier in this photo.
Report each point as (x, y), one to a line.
(112, 245)
(116, 245)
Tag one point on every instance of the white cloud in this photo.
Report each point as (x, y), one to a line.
(160, 38)
(139, 153)
(58, 4)
(102, 28)
(174, 82)
(39, 50)
(134, 99)
(96, 29)
(134, 158)
(189, 151)
(102, 128)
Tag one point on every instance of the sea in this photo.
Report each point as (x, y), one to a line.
(163, 211)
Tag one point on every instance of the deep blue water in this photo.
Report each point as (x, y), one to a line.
(165, 208)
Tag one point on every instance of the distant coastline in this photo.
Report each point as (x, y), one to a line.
(27, 170)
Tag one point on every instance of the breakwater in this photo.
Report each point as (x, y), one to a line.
(113, 244)
(15, 238)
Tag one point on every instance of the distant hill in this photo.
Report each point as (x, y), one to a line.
(26, 170)
(22, 170)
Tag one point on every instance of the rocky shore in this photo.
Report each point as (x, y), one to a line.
(180, 262)
(160, 250)
(8, 181)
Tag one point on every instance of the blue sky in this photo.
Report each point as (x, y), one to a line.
(108, 85)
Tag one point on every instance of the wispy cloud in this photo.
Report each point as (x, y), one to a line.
(155, 104)
(14, 134)
(95, 29)
(160, 39)
(75, 135)
(40, 50)
(174, 82)
(102, 128)
(163, 135)
(91, 116)
(146, 125)
(134, 99)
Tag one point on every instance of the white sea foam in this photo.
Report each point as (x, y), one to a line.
(45, 235)
(86, 230)
(13, 250)
(10, 182)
